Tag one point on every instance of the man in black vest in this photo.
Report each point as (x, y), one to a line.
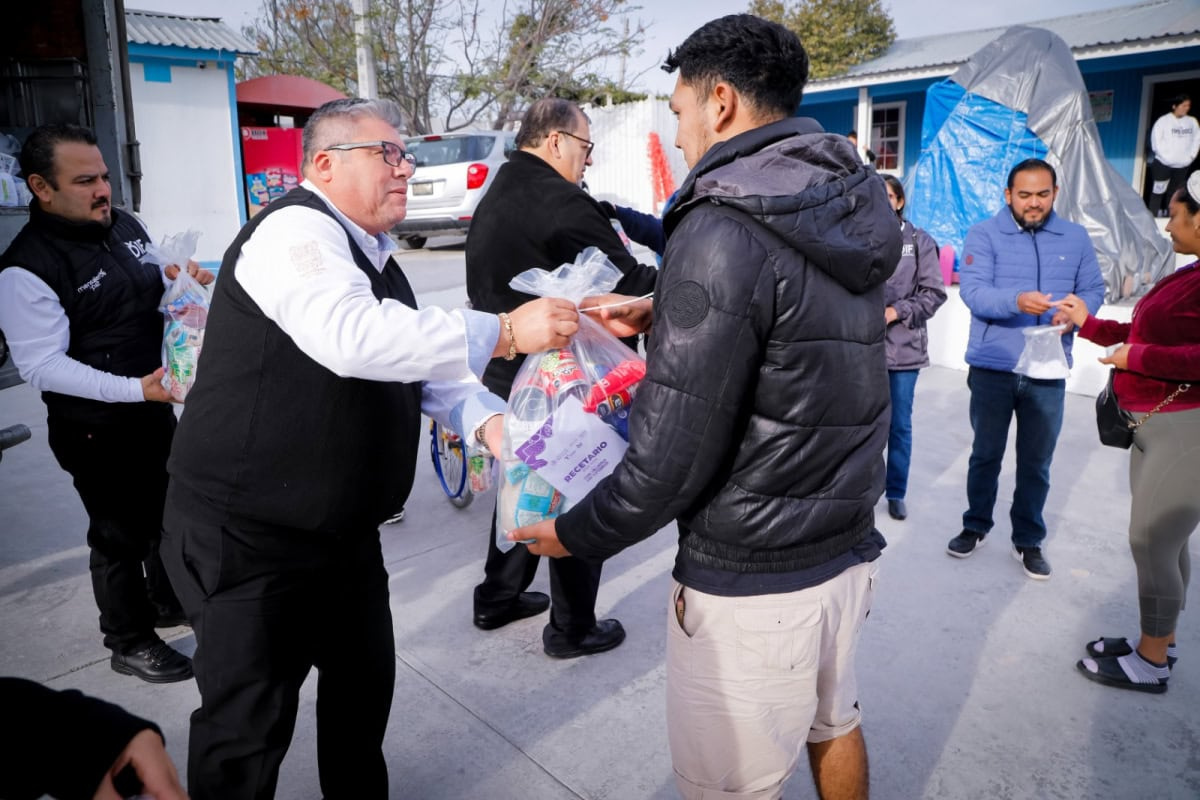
(300, 438)
(537, 215)
(81, 315)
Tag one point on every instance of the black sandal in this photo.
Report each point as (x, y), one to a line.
(1107, 646)
(1109, 673)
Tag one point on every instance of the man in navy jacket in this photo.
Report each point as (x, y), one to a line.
(1016, 265)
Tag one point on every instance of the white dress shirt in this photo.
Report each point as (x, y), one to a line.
(297, 268)
(38, 334)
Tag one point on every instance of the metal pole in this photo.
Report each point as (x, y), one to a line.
(367, 86)
(863, 120)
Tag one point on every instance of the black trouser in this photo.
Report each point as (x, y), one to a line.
(267, 604)
(1170, 179)
(120, 472)
(573, 584)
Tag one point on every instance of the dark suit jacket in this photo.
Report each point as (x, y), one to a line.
(533, 217)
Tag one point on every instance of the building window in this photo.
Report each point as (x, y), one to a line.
(887, 137)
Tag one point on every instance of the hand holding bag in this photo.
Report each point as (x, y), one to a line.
(568, 410)
(1116, 426)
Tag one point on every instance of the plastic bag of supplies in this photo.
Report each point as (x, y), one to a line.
(567, 422)
(185, 308)
(1043, 357)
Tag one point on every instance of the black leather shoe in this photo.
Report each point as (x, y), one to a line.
(527, 604)
(897, 509)
(155, 663)
(605, 635)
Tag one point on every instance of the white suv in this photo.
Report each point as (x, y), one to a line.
(454, 170)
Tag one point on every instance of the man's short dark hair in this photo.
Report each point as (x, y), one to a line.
(1029, 165)
(546, 116)
(1177, 99)
(762, 60)
(37, 154)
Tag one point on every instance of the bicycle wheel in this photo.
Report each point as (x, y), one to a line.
(450, 463)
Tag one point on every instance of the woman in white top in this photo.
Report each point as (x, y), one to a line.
(1174, 140)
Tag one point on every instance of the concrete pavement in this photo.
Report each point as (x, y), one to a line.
(966, 670)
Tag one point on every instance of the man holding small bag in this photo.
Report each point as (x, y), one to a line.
(1014, 264)
(81, 314)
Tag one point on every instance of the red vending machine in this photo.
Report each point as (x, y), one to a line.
(271, 159)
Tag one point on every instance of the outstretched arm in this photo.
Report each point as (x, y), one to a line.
(71, 746)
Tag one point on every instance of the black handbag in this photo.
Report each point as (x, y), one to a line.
(1115, 426)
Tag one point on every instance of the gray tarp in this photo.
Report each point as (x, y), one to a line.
(1032, 70)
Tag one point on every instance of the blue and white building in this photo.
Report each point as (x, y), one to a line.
(181, 75)
(1132, 58)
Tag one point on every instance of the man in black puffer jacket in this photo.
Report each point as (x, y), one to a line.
(760, 424)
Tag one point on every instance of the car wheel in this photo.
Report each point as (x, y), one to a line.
(415, 242)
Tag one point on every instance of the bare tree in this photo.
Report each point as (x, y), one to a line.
(314, 38)
(441, 59)
(549, 45)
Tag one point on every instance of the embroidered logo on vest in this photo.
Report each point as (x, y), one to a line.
(93, 284)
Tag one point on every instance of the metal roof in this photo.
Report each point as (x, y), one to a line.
(1153, 25)
(174, 30)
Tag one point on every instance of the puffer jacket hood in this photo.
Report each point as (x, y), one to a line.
(809, 188)
(762, 419)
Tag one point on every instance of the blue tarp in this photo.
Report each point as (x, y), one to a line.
(959, 179)
(1022, 96)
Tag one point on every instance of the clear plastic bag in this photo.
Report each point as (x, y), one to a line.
(568, 411)
(1043, 357)
(481, 468)
(177, 250)
(185, 307)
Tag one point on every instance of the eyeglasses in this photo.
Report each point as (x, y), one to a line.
(393, 154)
(588, 144)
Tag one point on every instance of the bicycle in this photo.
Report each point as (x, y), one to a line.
(449, 454)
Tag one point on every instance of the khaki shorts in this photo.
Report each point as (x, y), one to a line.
(750, 680)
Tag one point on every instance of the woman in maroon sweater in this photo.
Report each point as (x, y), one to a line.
(1159, 358)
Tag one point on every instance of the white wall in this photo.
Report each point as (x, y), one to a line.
(186, 132)
(620, 171)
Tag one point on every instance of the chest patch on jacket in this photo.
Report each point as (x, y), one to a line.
(136, 248)
(688, 304)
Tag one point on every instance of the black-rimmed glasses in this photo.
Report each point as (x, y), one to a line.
(590, 145)
(393, 154)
